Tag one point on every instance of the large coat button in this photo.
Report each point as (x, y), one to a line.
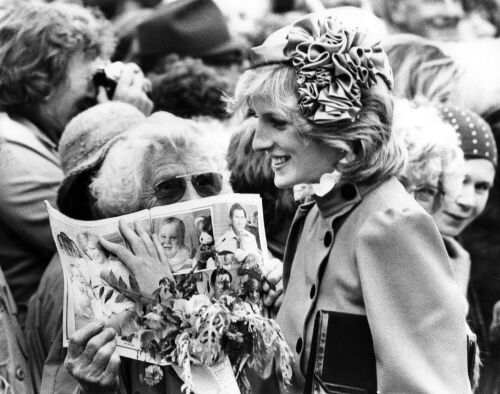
(328, 239)
(20, 374)
(348, 192)
(313, 291)
(298, 346)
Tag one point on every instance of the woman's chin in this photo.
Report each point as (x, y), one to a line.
(281, 183)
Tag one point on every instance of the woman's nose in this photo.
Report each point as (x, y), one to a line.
(190, 193)
(466, 198)
(261, 140)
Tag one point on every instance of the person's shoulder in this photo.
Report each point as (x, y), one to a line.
(390, 195)
(247, 233)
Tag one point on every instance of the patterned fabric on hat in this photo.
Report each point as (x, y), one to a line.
(475, 135)
(333, 63)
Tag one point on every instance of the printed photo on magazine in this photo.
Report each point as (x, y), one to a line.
(210, 314)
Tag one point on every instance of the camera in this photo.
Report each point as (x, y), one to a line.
(108, 77)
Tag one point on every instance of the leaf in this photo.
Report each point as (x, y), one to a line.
(121, 298)
(112, 279)
(133, 284)
(121, 284)
(108, 295)
(138, 309)
(101, 291)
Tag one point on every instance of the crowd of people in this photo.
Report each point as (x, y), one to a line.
(369, 128)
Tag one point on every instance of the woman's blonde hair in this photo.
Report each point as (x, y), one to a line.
(434, 152)
(373, 153)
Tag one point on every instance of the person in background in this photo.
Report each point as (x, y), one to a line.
(421, 68)
(481, 158)
(188, 88)
(435, 169)
(478, 145)
(49, 55)
(83, 146)
(436, 20)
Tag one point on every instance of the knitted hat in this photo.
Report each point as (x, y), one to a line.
(475, 135)
(85, 142)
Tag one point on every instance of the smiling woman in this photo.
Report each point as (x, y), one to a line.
(360, 248)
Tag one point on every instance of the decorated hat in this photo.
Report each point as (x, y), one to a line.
(334, 60)
(475, 135)
(187, 28)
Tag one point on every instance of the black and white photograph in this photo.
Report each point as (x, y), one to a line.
(238, 197)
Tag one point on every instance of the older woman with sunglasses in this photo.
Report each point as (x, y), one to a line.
(361, 246)
(159, 161)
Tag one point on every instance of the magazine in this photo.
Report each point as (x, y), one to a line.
(204, 253)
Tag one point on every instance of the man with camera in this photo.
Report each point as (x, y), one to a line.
(55, 64)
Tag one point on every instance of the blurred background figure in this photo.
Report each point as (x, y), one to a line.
(435, 20)
(465, 219)
(49, 55)
(420, 68)
(435, 166)
(83, 146)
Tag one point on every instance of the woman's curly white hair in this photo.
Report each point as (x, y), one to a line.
(124, 182)
(434, 153)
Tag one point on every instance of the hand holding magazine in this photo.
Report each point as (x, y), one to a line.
(180, 284)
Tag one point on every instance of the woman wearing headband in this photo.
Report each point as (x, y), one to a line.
(360, 245)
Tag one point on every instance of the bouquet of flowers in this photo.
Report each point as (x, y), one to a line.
(183, 328)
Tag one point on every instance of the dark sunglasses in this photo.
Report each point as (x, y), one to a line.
(172, 190)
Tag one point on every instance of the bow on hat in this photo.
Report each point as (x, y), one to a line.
(333, 64)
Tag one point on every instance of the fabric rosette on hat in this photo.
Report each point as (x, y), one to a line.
(333, 62)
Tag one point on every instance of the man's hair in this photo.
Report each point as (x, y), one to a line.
(37, 41)
(218, 272)
(188, 88)
(236, 207)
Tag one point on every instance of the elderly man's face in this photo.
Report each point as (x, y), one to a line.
(433, 19)
(73, 96)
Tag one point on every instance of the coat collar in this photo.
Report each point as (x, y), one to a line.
(342, 198)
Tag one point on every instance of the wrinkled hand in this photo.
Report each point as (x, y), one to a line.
(147, 261)
(274, 274)
(460, 262)
(92, 358)
(132, 88)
